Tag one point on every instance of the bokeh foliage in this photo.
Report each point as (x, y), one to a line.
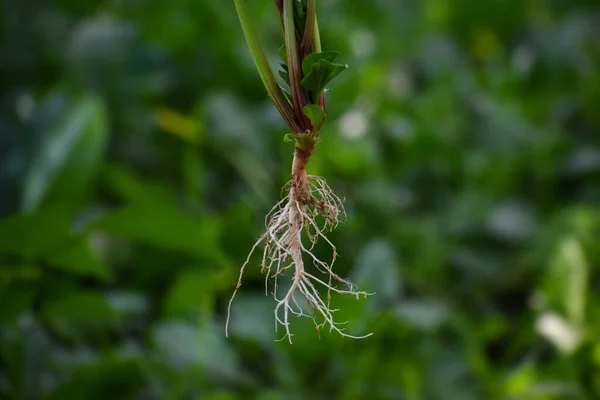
(138, 154)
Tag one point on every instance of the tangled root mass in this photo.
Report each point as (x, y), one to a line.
(284, 252)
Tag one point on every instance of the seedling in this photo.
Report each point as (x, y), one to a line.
(309, 207)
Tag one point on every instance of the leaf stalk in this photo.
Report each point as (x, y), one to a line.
(264, 70)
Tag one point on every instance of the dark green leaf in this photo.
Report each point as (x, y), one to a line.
(35, 234)
(16, 300)
(77, 314)
(46, 236)
(79, 259)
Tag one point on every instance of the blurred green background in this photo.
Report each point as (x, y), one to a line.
(139, 154)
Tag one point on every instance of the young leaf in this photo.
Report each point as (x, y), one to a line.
(320, 74)
(316, 115)
(312, 58)
(289, 137)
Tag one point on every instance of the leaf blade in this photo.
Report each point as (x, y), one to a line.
(316, 115)
(321, 73)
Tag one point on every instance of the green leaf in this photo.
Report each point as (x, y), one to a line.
(79, 259)
(81, 308)
(320, 73)
(130, 187)
(77, 314)
(35, 234)
(262, 64)
(193, 291)
(167, 227)
(312, 58)
(16, 300)
(27, 272)
(94, 380)
(68, 156)
(289, 137)
(45, 235)
(315, 114)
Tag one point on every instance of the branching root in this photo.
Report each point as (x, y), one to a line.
(284, 251)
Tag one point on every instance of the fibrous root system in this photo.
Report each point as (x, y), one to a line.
(310, 207)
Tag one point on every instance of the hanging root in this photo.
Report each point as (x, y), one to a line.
(308, 197)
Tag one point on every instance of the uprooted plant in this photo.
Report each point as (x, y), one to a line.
(309, 209)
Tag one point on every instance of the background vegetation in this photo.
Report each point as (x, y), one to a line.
(139, 153)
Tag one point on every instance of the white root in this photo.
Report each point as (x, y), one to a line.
(284, 250)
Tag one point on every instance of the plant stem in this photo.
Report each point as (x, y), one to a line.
(308, 40)
(299, 178)
(293, 59)
(319, 50)
(264, 69)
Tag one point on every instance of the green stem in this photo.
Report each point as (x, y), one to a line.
(294, 66)
(263, 67)
(318, 49)
(279, 4)
(308, 39)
